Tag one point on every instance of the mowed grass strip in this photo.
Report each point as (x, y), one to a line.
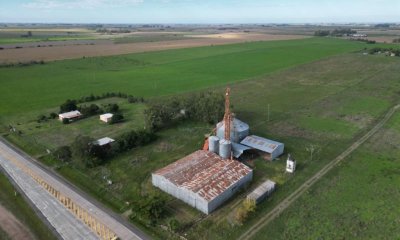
(157, 73)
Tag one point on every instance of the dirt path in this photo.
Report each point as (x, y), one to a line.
(311, 181)
(12, 226)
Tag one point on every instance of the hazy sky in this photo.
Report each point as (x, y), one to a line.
(199, 11)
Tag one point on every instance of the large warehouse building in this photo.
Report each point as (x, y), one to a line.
(203, 179)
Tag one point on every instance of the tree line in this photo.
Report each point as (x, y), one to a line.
(396, 52)
(71, 104)
(339, 32)
(205, 107)
(84, 152)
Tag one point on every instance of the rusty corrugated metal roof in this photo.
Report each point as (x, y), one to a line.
(204, 173)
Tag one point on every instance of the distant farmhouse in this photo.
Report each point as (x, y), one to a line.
(106, 117)
(70, 115)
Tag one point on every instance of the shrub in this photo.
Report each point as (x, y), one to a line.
(90, 110)
(322, 33)
(65, 121)
(53, 115)
(242, 213)
(69, 105)
(63, 154)
(174, 225)
(116, 118)
(133, 139)
(151, 208)
(41, 118)
(112, 108)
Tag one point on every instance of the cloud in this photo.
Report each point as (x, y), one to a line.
(79, 4)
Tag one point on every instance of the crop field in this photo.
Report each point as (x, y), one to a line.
(157, 73)
(12, 36)
(358, 200)
(321, 92)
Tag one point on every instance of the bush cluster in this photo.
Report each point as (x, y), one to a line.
(365, 40)
(87, 154)
(379, 49)
(204, 107)
(21, 64)
(336, 32)
(397, 40)
(133, 139)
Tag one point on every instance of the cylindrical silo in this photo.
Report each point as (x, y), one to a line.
(225, 148)
(213, 144)
(239, 130)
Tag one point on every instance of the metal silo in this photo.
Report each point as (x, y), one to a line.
(239, 130)
(225, 148)
(213, 144)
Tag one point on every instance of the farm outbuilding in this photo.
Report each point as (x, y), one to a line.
(106, 117)
(69, 115)
(269, 149)
(262, 191)
(104, 141)
(203, 179)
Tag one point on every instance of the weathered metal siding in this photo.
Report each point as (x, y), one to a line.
(213, 144)
(225, 149)
(218, 201)
(278, 151)
(193, 199)
(239, 130)
(181, 193)
(262, 191)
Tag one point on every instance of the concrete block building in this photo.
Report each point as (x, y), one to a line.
(203, 179)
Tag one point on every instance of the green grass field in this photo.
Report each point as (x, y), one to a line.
(157, 73)
(22, 211)
(357, 200)
(314, 97)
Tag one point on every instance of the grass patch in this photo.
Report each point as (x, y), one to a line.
(370, 105)
(22, 211)
(157, 73)
(356, 200)
(327, 126)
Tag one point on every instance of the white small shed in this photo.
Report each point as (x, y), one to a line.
(106, 117)
(104, 141)
(290, 164)
(69, 115)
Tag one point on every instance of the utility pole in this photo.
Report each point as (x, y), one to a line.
(268, 114)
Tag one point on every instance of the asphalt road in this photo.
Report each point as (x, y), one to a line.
(311, 181)
(33, 190)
